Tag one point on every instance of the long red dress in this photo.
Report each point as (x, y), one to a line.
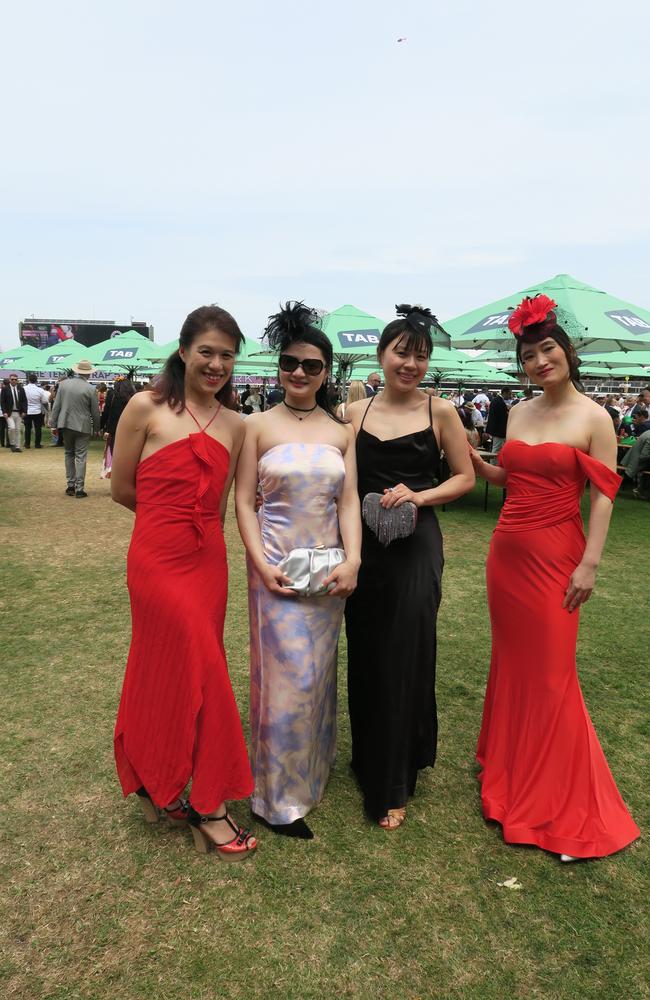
(544, 775)
(177, 717)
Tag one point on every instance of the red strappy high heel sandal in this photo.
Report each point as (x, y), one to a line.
(241, 846)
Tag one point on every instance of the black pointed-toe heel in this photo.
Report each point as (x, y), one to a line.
(297, 829)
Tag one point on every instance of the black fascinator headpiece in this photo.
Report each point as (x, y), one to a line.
(413, 327)
(417, 317)
(294, 322)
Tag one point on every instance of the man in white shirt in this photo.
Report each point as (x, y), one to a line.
(37, 399)
(482, 401)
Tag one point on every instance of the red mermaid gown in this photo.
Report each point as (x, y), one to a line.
(177, 717)
(544, 775)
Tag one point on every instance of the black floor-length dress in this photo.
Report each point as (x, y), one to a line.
(391, 629)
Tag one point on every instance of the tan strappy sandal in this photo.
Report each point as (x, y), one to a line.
(393, 819)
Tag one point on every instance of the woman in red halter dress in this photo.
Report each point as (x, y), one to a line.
(177, 448)
(544, 776)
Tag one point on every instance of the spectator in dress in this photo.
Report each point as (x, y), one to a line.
(37, 398)
(116, 401)
(356, 391)
(472, 419)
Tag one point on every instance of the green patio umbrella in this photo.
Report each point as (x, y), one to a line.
(130, 350)
(61, 356)
(620, 360)
(21, 358)
(595, 320)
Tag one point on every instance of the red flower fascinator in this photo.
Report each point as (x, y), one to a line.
(530, 311)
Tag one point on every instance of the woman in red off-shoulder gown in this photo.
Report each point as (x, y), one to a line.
(544, 775)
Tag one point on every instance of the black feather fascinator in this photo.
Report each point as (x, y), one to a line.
(292, 323)
(419, 318)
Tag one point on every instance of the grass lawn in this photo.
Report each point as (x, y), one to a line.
(96, 904)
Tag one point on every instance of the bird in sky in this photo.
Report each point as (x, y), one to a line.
(404, 39)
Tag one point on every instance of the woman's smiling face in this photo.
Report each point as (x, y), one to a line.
(545, 363)
(404, 365)
(209, 361)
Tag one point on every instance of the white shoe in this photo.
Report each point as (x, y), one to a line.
(568, 857)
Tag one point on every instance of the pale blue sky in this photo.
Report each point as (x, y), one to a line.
(157, 156)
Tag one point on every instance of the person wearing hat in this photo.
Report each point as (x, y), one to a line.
(76, 414)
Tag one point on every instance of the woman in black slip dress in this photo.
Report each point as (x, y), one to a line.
(391, 617)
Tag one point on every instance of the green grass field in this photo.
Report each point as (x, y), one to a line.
(96, 904)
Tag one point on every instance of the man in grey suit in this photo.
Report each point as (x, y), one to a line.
(76, 412)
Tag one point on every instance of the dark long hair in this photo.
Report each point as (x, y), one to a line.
(170, 384)
(413, 329)
(549, 327)
(296, 323)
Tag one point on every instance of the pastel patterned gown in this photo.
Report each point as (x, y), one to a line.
(544, 775)
(294, 639)
(177, 717)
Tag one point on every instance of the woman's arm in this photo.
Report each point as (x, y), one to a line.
(237, 442)
(454, 443)
(583, 578)
(493, 473)
(245, 496)
(130, 437)
(349, 511)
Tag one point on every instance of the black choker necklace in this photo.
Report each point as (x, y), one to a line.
(299, 409)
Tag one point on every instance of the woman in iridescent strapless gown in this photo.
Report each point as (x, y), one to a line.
(301, 458)
(177, 449)
(544, 776)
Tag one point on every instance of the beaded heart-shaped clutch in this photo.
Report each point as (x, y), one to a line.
(389, 524)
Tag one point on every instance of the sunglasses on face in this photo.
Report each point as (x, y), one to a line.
(310, 366)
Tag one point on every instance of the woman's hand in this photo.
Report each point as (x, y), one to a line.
(105, 435)
(476, 459)
(581, 587)
(397, 495)
(345, 579)
(275, 580)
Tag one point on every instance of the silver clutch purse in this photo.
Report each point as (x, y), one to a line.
(307, 568)
(388, 524)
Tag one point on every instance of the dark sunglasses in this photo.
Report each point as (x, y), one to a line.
(310, 366)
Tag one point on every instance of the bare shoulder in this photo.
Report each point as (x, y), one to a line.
(442, 409)
(350, 436)
(354, 412)
(598, 417)
(257, 422)
(234, 423)
(141, 406)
